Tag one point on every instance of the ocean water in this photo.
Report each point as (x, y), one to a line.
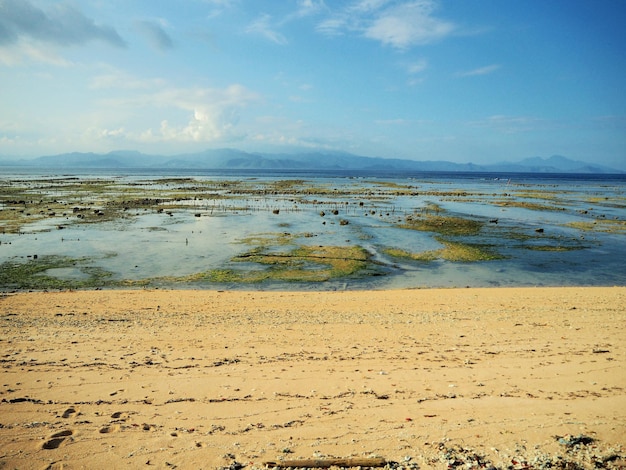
(549, 229)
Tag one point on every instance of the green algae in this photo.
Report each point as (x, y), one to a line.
(38, 273)
(268, 239)
(600, 225)
(468, 252)
(528, 205)
(278, 257)
(307, 263)
(423, 256)
(452, 251)
(557, 248)
(442, 224)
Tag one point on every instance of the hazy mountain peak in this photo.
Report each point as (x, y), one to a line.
(228, 158)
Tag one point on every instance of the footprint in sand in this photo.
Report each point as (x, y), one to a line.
(55, 466)
(110, 429)
(55, 441)
(69, 412)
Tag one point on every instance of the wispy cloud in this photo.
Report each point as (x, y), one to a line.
(401, 25)
(415, 71)
(615, 121)
(480, 71)
(309, 7)
(268, 27)
(391, 122)
(333, 26)
(365, 6)
(112, 78)
(154, 33)
(417, 67)
(61, 25)
(218, 6)
(220, 3)
(27, 50)
(263, 27)
(276, 131)
(512, 124)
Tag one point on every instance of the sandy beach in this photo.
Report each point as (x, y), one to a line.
(434, 378)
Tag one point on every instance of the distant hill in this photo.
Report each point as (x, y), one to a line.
(237, 159)
(553, 164)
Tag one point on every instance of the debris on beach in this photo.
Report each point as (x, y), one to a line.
(582, 452)
(571, 441)
(328, 462)
(459, 457)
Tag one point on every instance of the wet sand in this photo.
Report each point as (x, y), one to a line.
(436, 378)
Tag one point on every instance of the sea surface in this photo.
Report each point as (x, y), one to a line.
(547, 229)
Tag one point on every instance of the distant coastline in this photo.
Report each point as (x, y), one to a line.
(32, 171)
(231, 159)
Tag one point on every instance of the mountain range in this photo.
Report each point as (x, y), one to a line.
(237, 159)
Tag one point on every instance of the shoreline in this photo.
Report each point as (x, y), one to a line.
(206, 379)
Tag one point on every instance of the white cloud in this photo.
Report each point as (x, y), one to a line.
(108, 134)
(480, 71)
(262, 26)
(400, 24)
(206, 125)
(213, 113)
(408, 24)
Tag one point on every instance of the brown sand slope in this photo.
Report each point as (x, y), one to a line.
(196, 379)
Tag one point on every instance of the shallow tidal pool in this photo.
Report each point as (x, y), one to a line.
(309, 231)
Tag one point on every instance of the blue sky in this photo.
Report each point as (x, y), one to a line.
(459, 80)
